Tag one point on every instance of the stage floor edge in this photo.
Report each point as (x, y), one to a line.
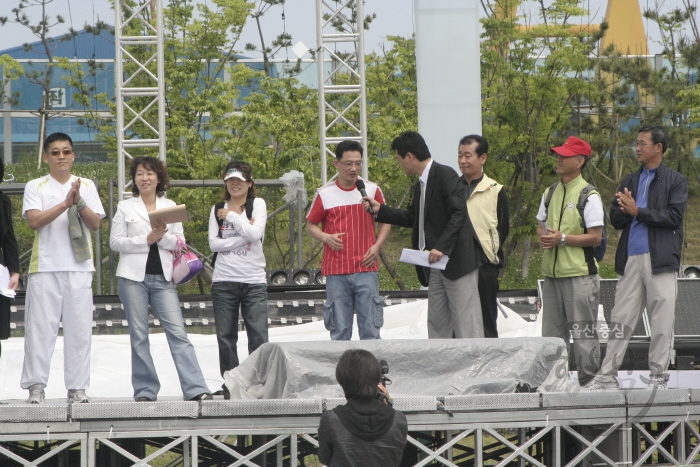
(618, 427)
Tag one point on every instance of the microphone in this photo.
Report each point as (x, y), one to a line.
(361, 187)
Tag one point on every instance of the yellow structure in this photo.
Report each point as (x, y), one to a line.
(625, 28)
(625, 25)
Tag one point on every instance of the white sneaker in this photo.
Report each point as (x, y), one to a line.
(36, 394)
(657, 382)
(77, 395)
(595, 385)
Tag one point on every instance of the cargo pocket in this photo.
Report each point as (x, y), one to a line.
(329, 315)
(379, 311)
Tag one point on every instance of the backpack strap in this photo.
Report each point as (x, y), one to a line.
(583, 198)
(218, 206)
(548, 197)
(248, 211)
(581, 206)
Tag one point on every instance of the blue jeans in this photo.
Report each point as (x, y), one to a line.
(347, 294)
(165, 303)
(227, 298)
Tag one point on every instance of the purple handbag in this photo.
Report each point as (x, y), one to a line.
(186, 264)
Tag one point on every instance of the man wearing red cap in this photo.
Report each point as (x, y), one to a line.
(571, 282)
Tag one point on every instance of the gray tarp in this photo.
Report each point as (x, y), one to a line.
(436, 367)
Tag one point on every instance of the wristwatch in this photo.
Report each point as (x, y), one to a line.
(562, 242)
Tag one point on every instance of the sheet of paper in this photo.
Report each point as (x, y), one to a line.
(420, 258)
(171, 215)
(4, 282)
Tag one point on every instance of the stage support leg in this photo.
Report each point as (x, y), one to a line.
(195, 450)
(280, 453)
(91, 452)
(186, 453)
(679, 442)
(522, 439)
(448, 438)
(84, 443)
(627, 436)
(293, 454)
(556, 447)
(635, 442)
(479, 448)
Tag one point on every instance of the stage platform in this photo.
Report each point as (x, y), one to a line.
(610, 428)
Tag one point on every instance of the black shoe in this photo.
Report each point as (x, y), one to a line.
(205, 396)
(144, 399)
(223, 392)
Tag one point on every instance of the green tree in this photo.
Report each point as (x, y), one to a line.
(392, 107)
(530, 80)
(277, 133)
(612, 102)
(671, 85)
(283, 39)
(11, 71)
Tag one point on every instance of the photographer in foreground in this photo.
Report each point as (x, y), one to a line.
(366, 431)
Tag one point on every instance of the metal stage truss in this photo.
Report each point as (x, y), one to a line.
(139, 79)
(608, 428)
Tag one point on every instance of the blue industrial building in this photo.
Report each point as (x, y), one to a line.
(19, 130)
(65, 114)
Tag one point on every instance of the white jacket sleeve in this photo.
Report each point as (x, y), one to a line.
(119, 239)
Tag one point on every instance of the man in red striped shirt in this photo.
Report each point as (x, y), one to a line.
(350, 250)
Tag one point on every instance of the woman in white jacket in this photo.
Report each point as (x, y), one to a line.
(145, 277)
(239, 273)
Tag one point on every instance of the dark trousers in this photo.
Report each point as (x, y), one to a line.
(488, 294)
(226, 298)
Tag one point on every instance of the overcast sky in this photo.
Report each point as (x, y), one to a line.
(394, 17)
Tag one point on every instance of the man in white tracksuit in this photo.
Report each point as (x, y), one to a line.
(61, 209)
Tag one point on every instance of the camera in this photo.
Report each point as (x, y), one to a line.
(384, 367)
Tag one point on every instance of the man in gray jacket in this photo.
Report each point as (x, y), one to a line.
(649, 207)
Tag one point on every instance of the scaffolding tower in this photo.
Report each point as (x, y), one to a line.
(140, 82)
(342, 100)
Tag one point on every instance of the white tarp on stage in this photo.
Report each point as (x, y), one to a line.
(111, 360)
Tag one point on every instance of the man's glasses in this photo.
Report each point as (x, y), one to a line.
(641, 144)
(66, 152)
(349, 164)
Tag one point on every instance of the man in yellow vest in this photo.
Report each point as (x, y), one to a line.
(571, 282)
(487, 206)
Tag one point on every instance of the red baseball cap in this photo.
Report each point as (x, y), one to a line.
(573, 147)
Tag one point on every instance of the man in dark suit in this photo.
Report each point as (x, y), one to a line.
(454, 309)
